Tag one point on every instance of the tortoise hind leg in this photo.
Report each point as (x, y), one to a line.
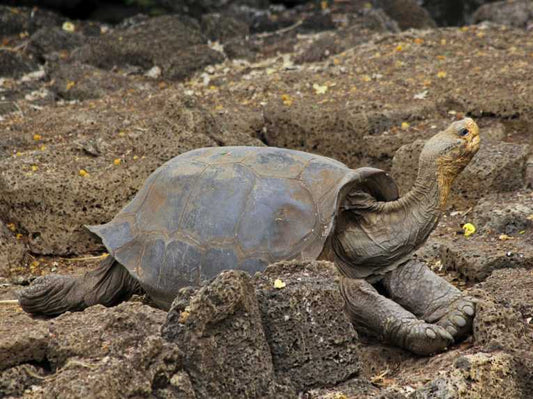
(414, 286)
(109, 284)
(377, 314)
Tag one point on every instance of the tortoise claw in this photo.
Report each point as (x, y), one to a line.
(458, 320)
(419, 337)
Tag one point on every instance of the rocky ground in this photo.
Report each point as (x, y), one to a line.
(88, 110)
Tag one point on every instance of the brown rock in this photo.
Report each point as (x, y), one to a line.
(15, 65)
(25, 19)
(51, 39)
(512, 287)
(101, 352)
(504, 213)
(222, 338)
(408, 14)
(475, 261)
(12, 252)
(101, 332)
(479, 375)
(22, 340)
(511, 13)
(181, 48)
(325, 130)
(222, 27)
(75, 81)
(15, 380)
(311, 339)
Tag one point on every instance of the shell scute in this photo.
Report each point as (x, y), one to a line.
(216, 205)
(167, 196)
(277, 217)
(276, 162)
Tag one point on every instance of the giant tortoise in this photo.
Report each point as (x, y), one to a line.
(243, 208)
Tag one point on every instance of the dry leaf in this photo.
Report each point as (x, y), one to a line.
(68, 26)
(320, 89)
(279, 284)
(469, 229)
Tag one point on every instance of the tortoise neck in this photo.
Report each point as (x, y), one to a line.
(421, 208)
(373, 237)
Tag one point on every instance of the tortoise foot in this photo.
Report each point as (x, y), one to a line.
(418, 336)
(459, 317)
(50, 296)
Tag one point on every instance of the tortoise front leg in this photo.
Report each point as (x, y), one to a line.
(414, 286)
(379, 315)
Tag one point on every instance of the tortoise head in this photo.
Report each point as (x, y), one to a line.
(450, 151)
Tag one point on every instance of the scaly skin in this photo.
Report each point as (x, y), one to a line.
(374, 313)
(431, 298)
(51, 295)
(374, 240)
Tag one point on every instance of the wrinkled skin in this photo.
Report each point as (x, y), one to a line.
(371, 244)
(422, 312)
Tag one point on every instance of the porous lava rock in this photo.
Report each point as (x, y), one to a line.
(475, 259)
(15, 65)
(504, 213)
(14, 20)
(512, 287)
(76, 81)
(50, 39)
(28, 345)
(222, 27)
(408, 14)
(312, 340)
(101, 352)
(518, 14)
(181, 47)
(478, 375)
(221, 335)
(12, 251)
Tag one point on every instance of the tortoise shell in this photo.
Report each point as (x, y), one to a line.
(222, 208)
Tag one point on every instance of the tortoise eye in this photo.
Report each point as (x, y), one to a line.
(463, 132)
